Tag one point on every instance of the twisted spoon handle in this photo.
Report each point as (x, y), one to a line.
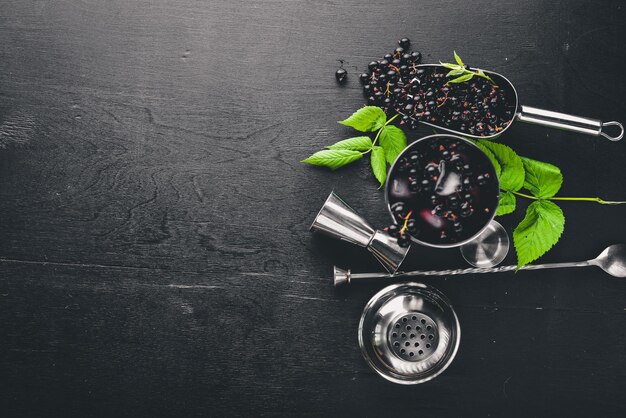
(472, 270)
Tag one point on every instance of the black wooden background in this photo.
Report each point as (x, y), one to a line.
(155, 258)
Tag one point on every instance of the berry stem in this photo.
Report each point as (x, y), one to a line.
(406, 222)
(582, 199)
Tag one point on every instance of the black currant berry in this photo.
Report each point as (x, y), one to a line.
(453, 202)
(404, 240)
(393, 230)
(466, 210)
(341, 75)
(438, 210)
(432, 170)
(399, 209)
(405, 43)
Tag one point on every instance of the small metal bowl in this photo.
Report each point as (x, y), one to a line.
(409, 333)
(489, 198)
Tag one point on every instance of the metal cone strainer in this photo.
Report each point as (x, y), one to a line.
(409, 333)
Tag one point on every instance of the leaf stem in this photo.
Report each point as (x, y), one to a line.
(391, 119)
(523, 195)
(582, 199)
(378, 133)
(376, 137)
(590, 199)
(380, 130)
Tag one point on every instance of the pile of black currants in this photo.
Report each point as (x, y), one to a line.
(421, 93)
(442, 191)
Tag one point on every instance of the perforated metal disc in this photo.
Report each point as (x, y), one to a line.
(414, 336)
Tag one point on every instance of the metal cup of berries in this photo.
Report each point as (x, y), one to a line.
(442, 191)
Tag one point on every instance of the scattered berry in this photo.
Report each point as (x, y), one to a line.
(341, 75)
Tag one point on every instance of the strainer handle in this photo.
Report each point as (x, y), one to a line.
(567, 122)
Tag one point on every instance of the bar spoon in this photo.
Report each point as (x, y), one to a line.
(612, 260)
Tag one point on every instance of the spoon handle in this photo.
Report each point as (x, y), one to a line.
(472, 270)
(567, 122)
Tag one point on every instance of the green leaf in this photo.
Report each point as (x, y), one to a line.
(379, 164)
(458, 59)
(507, 204)
(543, 180)
(358, 143)
(492, 157)
(463, 78)
(393, 140)
(333, 158)
(450, 66)
(482, 74)
(366, 119)
(512, 175)
(452, 73)
(538, 232)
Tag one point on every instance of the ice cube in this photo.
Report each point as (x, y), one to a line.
(449, 181)
(399, 189)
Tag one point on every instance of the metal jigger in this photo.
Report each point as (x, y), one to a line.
(339, 220)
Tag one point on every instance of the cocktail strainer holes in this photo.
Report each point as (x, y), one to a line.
(399, 344)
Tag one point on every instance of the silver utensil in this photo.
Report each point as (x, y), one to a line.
(409, 333)
(612, 260)
(340, 221)
(541, 117)
(489, 245)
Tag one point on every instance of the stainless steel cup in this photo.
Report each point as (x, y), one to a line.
(338, 220)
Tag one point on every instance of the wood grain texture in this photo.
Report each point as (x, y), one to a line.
(155, 258)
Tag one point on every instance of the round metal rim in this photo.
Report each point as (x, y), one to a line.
(408, 149)
(330, 195)
(496, 260)
(457, 329)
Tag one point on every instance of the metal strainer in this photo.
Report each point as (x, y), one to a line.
(409, 333)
